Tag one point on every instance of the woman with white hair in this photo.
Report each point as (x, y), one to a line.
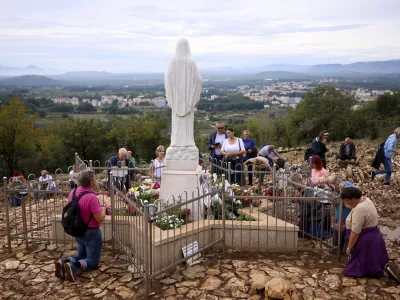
(121, 160)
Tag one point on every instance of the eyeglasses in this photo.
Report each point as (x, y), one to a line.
(220, 127)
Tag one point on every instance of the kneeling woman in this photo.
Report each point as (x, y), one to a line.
(366, 249)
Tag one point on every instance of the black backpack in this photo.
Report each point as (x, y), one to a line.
(307, 154)
(379, 156)
(71, 217)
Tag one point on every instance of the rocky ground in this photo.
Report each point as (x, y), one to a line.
(29, 275)
(386, 198)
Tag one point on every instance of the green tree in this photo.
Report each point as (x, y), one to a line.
(17, 134)
(322, 108)
(388, 105)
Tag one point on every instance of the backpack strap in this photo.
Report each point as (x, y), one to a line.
(74, 198)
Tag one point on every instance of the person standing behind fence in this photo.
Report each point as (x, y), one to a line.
(267, 152)
(131, 158)
(73, 182)
(121, 160)
(233, 151)
(390, 150)
(251, 152)
(46, 184)
(88, 246)
(214, 144)
(318, 146)
(159, 164)
(17, 181)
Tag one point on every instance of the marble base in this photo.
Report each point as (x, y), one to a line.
(183, 184)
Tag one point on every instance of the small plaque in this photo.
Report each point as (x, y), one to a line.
(189, 250)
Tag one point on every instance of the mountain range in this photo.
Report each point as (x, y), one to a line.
(30, 75)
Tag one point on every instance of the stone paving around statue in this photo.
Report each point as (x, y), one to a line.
(30, 275)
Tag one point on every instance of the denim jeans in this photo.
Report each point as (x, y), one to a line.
(388, 169)
(89, 249)
(44, 192)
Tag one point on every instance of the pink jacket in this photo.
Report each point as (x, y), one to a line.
(315, 175)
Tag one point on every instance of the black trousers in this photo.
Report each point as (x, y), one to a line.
(250, 173)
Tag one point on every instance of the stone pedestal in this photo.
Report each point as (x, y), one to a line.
(181, 177)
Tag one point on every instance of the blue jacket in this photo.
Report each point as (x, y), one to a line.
(391, 143)
(211, 141)
(345, 211)
(113, 162)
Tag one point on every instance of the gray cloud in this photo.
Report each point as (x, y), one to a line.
(124, 35)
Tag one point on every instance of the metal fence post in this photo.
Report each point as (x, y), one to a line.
(340, 228)
(223, 215)
(146, 250)
(77, 166)
(113, 212)
(7, 214)
(152, 170)
(229, 172)
(90, 165)
(274, 190)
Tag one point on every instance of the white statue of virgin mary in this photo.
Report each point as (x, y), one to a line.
(183, 86)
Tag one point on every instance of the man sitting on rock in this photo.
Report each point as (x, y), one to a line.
(347, 154)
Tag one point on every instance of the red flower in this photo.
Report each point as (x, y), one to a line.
(186, 213)
(246, 200)
(156, 186)
(267, 192)
(156, 195)
(131, 209)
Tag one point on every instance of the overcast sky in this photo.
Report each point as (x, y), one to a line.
(140, 36)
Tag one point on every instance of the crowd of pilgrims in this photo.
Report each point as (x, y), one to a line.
(353, 225)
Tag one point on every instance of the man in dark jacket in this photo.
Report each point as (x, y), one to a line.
(214, 143)
(347, 154)
(318, 146)
(120, 160)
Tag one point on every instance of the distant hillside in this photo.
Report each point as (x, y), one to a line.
(358, 68)
(29, 80)
(388, 66)
(284, 75)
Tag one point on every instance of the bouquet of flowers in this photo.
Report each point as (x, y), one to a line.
(108, 209)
